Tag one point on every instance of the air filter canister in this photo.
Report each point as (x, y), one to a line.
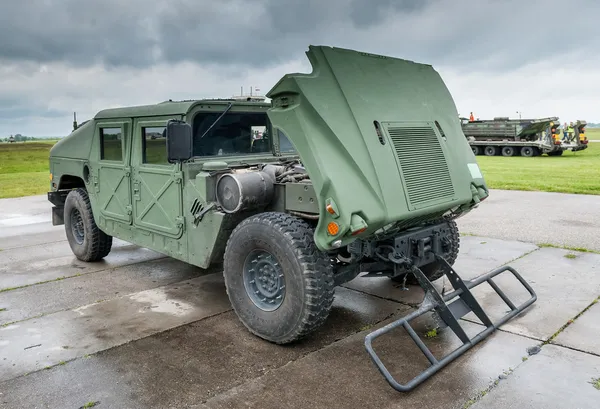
(244, 191)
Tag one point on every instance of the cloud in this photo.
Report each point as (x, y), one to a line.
(57, 56)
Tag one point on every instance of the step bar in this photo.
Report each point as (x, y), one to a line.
(448, 315)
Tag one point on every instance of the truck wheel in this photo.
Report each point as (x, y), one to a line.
(490, 151)
(279, 283)
(87, 241)
(476, 150)
(434, 270)
(527, 151)
(508, 151)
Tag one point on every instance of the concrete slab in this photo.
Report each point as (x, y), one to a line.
(556, 378)
(66, 294)
(478, 255)
(584, 333)
(187, 365)
(565, 287)
(30, 265)
(34, 344)
(342, 376)
(539, 217)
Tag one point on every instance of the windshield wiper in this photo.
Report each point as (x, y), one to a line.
(217, 120)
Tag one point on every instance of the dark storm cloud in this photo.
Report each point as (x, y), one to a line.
(493, 34)
(138, 33)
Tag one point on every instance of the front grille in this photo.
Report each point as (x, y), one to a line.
(423, 164)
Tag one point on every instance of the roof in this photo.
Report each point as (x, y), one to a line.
(166, 108)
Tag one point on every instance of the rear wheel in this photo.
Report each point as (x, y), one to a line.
(434, 271)
(490, 150)
(476, 150)
(87, 241)
(279, 283)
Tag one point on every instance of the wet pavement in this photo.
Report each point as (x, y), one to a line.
(141, 330)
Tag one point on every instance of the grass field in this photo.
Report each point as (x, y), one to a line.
(24, 170)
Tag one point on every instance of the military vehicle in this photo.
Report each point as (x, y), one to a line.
(359, 167)
(509, 137)
(576, 141)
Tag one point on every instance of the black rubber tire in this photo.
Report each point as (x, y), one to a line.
(308, 275)
(476, 150)
(434, 271)
(527, 151)
(96, 244)
(508, 151)
(490, 151)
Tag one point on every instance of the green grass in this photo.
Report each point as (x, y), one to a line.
(573, 172)
(24, 168)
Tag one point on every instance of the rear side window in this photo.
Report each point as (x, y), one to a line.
(111, 142)
(155, 145)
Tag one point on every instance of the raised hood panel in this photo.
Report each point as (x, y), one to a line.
(329, 115)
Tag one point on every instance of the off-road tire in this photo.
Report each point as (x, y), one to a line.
(508, 151)
(490, 151)
(308, 276)
(434, 271)
(95, 244)
(527, 151)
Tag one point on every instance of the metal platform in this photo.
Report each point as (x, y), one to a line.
(449, 313)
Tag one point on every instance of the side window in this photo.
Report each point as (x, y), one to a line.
(111, 143)
(285, 146)
(154, 145)
(236, 133)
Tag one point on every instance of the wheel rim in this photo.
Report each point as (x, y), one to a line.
(77, 226)
(263, 280)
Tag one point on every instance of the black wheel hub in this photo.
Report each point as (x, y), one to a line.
(264, 280)
(77, 226)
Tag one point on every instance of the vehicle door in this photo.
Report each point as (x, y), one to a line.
(112, 181)
(157, 184)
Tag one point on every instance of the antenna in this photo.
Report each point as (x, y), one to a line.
(74, 121)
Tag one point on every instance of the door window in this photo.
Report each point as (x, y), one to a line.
(154, 145)
(111, 144)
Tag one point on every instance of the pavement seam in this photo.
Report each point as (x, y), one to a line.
(571, 321)
(32, 245)
(556, 344)
(3, 290)
(407, 304)
(303, 356)
(86, 356)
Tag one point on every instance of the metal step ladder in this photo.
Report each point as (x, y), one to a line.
(449, 314)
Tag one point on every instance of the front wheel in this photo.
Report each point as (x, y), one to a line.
(87, 241)
(279, 283)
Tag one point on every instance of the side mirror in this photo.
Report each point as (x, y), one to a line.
(179, 141)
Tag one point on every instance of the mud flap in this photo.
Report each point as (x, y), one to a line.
(449, 314)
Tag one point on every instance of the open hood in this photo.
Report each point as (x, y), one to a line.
(380, 138)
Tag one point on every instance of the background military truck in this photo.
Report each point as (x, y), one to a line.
(350, 175)
(509, 137)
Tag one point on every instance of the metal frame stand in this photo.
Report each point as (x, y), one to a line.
(449, 314)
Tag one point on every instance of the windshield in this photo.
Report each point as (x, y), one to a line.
(236, 133)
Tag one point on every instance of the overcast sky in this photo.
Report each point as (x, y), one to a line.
(496, 56)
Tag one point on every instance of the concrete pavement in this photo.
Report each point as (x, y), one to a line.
(143, 330)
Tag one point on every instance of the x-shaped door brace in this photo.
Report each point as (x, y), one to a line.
(114, 195)
(155, 198)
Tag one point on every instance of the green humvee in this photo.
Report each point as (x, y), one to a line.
(358, 167)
